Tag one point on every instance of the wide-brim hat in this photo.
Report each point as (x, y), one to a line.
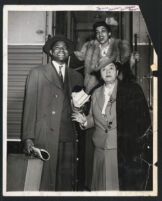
(50, 43)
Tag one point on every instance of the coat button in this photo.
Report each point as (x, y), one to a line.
(52, 129)
(53, 112)
(56, 96)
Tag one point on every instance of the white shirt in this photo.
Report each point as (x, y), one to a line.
(107, 93)
(56, 65)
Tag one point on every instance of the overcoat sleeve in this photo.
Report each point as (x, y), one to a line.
(30, 106)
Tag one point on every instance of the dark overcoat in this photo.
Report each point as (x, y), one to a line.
(133, 120)
(42, 114)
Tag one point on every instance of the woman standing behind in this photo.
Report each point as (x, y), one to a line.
(100, 52)
(120, 116)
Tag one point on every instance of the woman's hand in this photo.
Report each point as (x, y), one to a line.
(78, 117)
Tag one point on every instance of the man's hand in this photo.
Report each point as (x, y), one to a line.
(28, 144)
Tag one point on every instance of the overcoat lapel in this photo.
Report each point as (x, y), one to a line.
(52, 75)
(100, 98)
(119, 97)
(68, 79)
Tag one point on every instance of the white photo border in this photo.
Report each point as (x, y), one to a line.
(124, 8)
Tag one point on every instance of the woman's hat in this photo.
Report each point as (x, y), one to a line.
(50, 43)
(119, 51)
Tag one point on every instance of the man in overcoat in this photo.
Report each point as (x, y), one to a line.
(47, 115)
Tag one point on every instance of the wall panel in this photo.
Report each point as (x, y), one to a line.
(21, 59)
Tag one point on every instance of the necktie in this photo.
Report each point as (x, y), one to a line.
(60, 74)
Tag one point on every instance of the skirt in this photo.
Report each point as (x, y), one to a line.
(105, 170)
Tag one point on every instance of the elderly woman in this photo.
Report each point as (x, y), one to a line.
(120, 115)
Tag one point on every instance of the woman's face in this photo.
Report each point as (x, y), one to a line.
(102, 35)
(109, 73)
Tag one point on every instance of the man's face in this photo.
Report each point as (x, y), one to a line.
(102, 34)
(60, 51)
(109, 73)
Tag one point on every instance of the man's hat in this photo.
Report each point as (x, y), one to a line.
(50, 43)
